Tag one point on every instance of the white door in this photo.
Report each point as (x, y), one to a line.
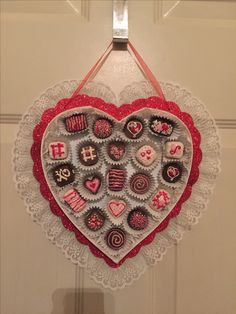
(191, 43)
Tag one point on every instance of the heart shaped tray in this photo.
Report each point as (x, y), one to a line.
(116, 176)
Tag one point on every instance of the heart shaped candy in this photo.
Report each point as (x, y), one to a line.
(116, 207)
(93, 184)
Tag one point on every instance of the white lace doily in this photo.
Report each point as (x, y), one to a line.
(191, 211)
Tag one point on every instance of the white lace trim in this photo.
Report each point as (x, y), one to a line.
(192, 209)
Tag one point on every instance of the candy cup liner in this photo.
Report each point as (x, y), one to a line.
(125, 138)
(116, 221)
(155, 146)
(90, 233)
(85, 193)
(96, 139)
(146, 195)
(124, 159)
(117, 194)
(76, 145)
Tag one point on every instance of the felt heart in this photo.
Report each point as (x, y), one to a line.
(77, 175)
(116, 207)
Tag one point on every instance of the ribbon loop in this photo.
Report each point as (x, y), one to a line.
(139, 60)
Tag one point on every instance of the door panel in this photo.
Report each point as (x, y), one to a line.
(187, 42)
(206, 258)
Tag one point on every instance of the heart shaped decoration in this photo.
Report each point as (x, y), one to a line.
(93, 184)
(116, 207)
(134, 128)
(116, 176)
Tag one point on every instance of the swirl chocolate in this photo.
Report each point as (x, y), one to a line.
(140, 183)
(115, 238)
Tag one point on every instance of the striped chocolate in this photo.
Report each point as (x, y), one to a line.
(76, 123)
(116, 179)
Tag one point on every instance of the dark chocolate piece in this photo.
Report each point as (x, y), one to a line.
(161, 126)
(95, 219)
(88, 154)
(115, 238)
(102, 128)
(172, 172)
(116, 179)
(76, 123)
(116, 150)
(140, 183)
(134, 128)
(138, 219)
(63, 174)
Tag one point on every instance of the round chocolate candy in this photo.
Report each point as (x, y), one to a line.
(95, 219)
(115, 238)
(140, 183)
(102, 128)
(134, 128)
(116, 150)
(172, 172)
(138, 219)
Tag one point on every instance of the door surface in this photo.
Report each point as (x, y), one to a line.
(191, 43)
